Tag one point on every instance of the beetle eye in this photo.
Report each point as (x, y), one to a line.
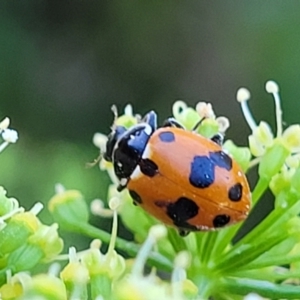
(113, 137)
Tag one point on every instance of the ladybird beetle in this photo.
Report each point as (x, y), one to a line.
(178, 176)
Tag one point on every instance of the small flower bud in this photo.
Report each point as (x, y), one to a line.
(272, 87)
(97, 208)
(278, 183)
(182, 260)
(93, 260)
(253, 296)
(16, 232)
(187, 116)
(291, 138)
(272, 161)
(209, 128)
(11, 290)
(47, 238)
(261, 139)
(99, 140)
(242, 95)
(4, 124)
(295, 181)
(263, 134)
(127, 119)
(256, 148)
(114, 203)
(75, 276)
(103, 270)
(190, 290)
(137, 288)
(6, 204)
(45, 286)
(69, 210)
(242, 155)
(293, 161)
(205, 110)
(223, 124)
(157, 232)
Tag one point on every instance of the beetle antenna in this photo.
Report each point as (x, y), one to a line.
(95, 162)
(114, 110)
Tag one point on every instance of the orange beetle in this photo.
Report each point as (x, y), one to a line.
(178, 176)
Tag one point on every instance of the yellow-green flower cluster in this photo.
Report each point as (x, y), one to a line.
(24, 242)
(218, 268)
(278, 155)
(159, 264)
(91, 274)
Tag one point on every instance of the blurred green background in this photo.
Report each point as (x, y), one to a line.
(64, 63)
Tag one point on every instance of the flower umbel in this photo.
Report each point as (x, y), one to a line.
(261, 263)
(278, 156)
(219, 268)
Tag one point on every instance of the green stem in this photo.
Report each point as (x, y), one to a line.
(240, 258)
(101, 285)
(263, 288)
(176, 241)
(209, 246)
(259, 189)
(155, 259)
(200, 241)
(274, 220)
(223, 239)
(273, 260)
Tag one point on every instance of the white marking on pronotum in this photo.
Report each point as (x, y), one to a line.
(148, 129)
(123, 181)
(136, 173)
(147, 152)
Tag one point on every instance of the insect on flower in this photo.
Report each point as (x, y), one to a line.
(178, 176)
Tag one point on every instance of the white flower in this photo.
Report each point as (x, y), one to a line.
(4, 124)
(10, 135)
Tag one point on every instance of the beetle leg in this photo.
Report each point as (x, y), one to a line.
(122, 185)
(218, 139)
(151, 119)
(171, 122)
(183, 232)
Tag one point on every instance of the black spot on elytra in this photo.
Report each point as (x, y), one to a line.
(221, 220)
(135, 196)
(167, 136)
(221, 159)
(202, 173)
(148, 167)
(235, 192)
(181, 211)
